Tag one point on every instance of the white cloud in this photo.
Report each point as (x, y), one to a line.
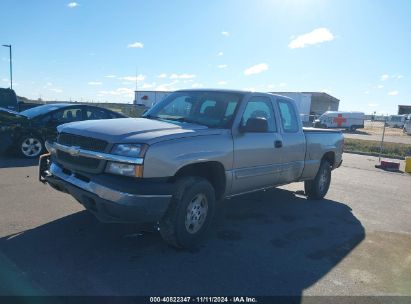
(110, 76)
(94, 83)
(373, 105)
(136, 45)
(133, 78)
(316, 36)
(162, 75)
(72, 4)
(220, 54)
(400, 76)
(222, 66)
(367, 92)
(384, 77)
(197, 85)
(182, 76)
(118, 92)
(380, 86)
(148, 85)
(256, 69)
(224, 33)
(55, 90)
(167, 86)
(393, 93)
(282, 84)
(222, 83)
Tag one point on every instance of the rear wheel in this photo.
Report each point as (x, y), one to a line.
(318, 187)
(30, 146)
(190, 212)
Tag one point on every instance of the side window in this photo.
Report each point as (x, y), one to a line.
(288, 116)
(94, 114)
(259, 107)
(68, 115)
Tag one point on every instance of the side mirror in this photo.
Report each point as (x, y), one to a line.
(255, 125)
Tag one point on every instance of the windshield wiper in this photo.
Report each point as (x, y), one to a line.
(151, 117)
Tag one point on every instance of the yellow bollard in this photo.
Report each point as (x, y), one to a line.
(408, 164)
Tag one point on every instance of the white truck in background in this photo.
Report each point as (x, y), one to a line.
(340, 120)
(396, 121)
(407, 125)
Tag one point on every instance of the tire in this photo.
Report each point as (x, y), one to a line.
(181, 227)
(353, 129)
(318, 187)
(30, 146)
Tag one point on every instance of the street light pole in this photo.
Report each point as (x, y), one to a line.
(11, 65)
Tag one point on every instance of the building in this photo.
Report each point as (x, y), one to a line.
(308, 103)
(403, 109)
(313, 103)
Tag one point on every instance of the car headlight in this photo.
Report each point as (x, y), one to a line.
(124, 169)
(130, 150)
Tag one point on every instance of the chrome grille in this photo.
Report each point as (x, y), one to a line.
(86, 143)
(80, 161)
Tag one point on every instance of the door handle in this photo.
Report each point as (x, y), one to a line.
(278, 144)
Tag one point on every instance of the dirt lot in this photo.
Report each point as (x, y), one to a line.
(373, 131)
(357, 241)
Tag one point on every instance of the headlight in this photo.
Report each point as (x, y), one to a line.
(124, 169)
(130, 150)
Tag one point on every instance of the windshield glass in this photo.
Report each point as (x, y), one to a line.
(36, 111)
(212, 109)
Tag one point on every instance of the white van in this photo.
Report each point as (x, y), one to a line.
(396, 121)
(340, 120)
(407, 125)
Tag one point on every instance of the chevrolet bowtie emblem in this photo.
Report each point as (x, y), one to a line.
(74, 151)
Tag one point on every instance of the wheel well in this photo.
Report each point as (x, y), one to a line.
(212, 171)
(330, 157)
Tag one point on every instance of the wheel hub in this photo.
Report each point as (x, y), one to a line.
(31, 146)
(196, 213)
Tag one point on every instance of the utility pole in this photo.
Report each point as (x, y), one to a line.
(11, 65)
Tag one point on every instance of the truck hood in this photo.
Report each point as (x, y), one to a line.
(135, 130)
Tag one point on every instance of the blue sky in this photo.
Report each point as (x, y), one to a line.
(89, 50)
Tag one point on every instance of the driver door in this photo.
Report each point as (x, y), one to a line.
(257, 155)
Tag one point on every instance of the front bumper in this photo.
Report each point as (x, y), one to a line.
(123, 201)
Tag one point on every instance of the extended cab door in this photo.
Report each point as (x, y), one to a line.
(293, 141)
(257, 160)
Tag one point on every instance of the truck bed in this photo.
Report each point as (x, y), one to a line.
(318, 130)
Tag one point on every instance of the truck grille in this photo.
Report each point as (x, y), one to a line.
(86, 143)
(82, 163)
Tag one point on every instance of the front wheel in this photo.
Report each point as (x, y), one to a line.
(30, 146)
(318, 187)
(190, 212)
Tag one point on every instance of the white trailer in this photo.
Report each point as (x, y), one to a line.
(149, 98)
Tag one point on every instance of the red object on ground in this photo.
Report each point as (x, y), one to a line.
(389, 165)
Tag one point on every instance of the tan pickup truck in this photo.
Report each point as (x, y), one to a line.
(187, 153)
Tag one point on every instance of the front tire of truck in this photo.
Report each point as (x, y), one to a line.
(318, 187)
(190, 212)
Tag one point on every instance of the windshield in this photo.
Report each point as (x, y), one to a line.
(212, 109)
(36, 111)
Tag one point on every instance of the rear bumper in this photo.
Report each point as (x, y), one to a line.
(110, 203)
